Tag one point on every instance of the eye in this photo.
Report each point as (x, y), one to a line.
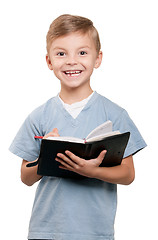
(61, 54)
(82, 53)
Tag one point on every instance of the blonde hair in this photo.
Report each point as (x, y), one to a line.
(66, 24)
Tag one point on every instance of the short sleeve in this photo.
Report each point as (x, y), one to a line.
(24, 144)
(136, 142)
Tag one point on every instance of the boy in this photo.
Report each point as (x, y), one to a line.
(69, 208)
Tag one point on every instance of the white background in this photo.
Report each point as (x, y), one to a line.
(128, 76)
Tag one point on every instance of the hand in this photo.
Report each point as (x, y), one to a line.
(53, 133)
(79, 165)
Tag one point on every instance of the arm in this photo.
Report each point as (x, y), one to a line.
(29, 175)
(122, 174)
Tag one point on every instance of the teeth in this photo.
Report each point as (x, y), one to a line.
(72, 72)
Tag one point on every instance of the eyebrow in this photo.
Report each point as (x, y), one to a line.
(61, 48)
(58, 48)
(84, 47)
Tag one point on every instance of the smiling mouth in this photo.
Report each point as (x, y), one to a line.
(74, 73)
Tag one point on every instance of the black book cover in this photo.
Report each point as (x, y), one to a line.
(47, 166)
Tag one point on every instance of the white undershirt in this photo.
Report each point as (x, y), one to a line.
(74, 109)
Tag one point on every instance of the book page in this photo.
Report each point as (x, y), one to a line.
(101, 129)
(66, 139)
(102, 136)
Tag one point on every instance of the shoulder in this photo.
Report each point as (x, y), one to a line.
(43, 110)
(112, 109)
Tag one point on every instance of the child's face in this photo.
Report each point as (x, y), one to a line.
(73, 58)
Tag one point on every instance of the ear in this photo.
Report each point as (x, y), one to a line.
(49, 62)
(98, 60)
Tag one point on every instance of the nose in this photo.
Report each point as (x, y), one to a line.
(71, 60)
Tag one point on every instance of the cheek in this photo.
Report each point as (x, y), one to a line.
(89, 62)
(56, 65)
(90, 66)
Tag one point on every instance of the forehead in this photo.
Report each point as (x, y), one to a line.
(74, 40)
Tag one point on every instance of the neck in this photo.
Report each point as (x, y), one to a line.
(70, 96)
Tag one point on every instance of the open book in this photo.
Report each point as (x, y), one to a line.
(100, 132)
(99, 139)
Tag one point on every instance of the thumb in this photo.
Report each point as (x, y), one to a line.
(102, 155)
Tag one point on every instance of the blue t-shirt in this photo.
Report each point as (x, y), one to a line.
(75, 209)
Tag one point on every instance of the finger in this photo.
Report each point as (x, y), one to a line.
(55, 131)
(63, 158)
(79, 161)
(64, 164)
(62, 167)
